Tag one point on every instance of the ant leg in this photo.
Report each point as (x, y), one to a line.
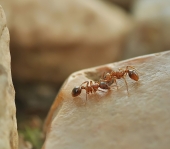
(122, 70)
(130, 67)
(126, 84)
(86, 96)
(103, 75)
(133, 68)
(91, 88)
(101, 91)
(115, 82)
(87, 89)
(84, 83)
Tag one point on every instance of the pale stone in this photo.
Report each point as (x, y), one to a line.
(56, 38)
(152, 31)
(24, 144)
(8, 126)
(51, 39)
(114, 119)
(126, 4)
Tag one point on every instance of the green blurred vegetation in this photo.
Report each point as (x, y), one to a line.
(30, 130)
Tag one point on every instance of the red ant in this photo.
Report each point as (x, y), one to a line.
(90, 87)
(111, 77)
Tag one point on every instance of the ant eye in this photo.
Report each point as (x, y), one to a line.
(76, 91)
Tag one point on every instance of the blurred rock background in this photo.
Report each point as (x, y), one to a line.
(51, 39)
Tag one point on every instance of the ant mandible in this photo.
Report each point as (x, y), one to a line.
(90, 87)
(111, 77)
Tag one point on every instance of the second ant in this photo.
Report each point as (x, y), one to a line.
(111, 77)
(90, 87)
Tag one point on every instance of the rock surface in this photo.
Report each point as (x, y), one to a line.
(8, 126)
(126, 4)
(24, 144)
(51, 37)
(114, 119)
(152, 31)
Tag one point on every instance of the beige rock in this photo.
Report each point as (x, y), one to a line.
(114, 119)
(126, 4)
(8, 126)
(152, 31)
(51, 39)
(56, 38)
(24, 144)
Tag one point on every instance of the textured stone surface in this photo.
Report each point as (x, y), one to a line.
(152, 31)
(56, 38)
(8, 126)
(51, 39)
(24, 144)
(113, 119)
(126, 4)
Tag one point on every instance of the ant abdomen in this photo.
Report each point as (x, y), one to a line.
(104, 85)
(133, 75)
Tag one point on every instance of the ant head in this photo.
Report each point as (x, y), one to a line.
(76, 91)
(133, 74)
(104, 85)
(107, 76)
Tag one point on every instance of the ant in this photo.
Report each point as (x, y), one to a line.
(90, 87)
(111, 77)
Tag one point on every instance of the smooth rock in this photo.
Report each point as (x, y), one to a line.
(114, 119)
(24, 144)
(152, 31)
(52, 39)
(126, 4)
(8, 125)
(56, 38)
